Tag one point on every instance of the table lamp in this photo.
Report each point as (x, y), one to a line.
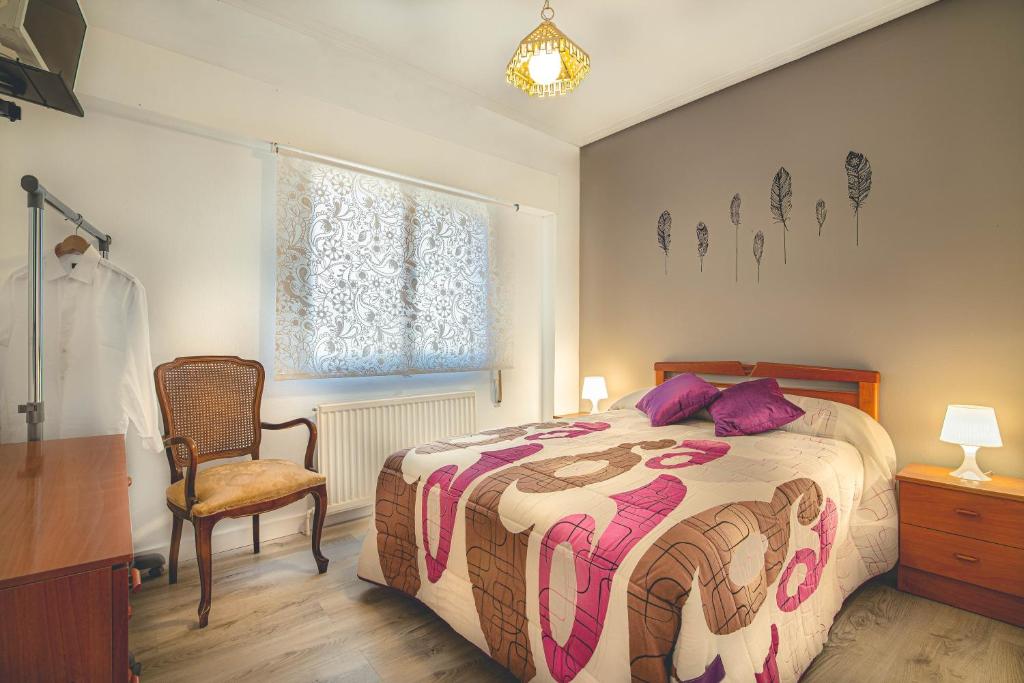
(972, 427)
(594, 389)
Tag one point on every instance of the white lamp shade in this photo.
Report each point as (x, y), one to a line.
(971, 426)
(594, 388)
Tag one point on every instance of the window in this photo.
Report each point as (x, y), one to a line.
(377, 277)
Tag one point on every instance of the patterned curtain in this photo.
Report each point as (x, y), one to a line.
(377, 277)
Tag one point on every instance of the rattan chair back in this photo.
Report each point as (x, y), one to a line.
(215, 401)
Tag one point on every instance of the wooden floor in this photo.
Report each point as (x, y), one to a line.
(275, 619)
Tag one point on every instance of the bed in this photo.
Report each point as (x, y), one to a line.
(604, 549)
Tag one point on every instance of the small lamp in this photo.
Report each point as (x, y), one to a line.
(972, 427)
(594, 389)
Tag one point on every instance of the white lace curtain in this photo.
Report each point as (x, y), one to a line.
(377, 277)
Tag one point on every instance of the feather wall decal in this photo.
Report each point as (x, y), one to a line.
(734, 216)
(858, 183)
(665, 234)
(703, 242)
(782, 203)
(758, 251)
(820, 213)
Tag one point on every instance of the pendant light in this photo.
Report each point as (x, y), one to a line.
(547, 62)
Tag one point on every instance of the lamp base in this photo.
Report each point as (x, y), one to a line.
(969, 469)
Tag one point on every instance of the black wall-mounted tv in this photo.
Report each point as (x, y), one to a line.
(41, 49)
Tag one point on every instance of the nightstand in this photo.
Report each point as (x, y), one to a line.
(569, 416)
(963, 543)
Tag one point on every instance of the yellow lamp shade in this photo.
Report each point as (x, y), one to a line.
(547, 62)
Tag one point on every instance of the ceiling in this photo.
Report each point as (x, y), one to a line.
(647, 57)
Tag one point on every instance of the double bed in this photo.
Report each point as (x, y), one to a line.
(605, 549)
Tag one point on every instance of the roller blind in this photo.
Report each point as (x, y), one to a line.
(378, 277)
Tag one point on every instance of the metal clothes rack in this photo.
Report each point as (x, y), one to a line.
(38, 198)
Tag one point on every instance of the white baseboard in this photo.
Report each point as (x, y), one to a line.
(337, 516)
(239, 534)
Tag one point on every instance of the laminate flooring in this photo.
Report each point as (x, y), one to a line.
(275, 619)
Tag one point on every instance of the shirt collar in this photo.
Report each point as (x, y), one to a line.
(83, 272)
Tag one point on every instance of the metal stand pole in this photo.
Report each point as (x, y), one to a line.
(33, 410)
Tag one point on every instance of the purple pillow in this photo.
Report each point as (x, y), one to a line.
(752, 408)
(676, 399)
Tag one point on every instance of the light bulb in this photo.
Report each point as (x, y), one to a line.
(545, 67)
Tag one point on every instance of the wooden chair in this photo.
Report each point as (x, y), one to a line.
(211, 410)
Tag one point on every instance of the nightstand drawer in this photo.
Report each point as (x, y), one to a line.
(994, 566)
(964, 513)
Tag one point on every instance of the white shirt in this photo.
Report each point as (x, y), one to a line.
(97, 369)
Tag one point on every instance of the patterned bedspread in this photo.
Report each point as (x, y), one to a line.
(608, 550)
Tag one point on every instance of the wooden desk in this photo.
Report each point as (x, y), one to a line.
(65, 547)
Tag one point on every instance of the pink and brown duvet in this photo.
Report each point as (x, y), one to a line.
(605, 549)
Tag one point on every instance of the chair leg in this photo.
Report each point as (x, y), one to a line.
(204, 557)
(172, 559)
(319, 514)
(256, 534)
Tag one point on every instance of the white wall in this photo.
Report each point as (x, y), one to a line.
(192, 217)
(390, 121)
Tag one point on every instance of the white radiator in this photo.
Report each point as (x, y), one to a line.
(355, 438)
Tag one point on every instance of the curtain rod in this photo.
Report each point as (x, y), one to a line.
(150, 118)
(295, 151)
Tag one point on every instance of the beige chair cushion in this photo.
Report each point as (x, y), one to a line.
(237, 484)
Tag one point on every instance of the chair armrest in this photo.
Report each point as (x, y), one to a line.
(192, 465)
(310, 445)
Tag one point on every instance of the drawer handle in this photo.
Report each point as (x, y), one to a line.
(965, 558)
(966, 513)
(136, 579)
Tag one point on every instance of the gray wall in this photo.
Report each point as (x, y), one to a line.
(933, 297)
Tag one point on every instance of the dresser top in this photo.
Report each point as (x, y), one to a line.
(932, 475)
(63, 508)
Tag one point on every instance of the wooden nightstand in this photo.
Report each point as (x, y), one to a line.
(963, 544)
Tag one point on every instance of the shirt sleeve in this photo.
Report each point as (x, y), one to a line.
(138, 391)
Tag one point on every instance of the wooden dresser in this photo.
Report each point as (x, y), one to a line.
(963, 544)
(65, 547)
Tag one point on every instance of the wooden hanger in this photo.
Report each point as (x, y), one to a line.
(72, 244)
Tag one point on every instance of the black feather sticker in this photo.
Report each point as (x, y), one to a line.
(665, 234)
(820, 213)
(758, 251)
(782, 203)
(703, 241)
(858, 183)
(734, 216)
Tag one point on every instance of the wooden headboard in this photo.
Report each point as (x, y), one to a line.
(865, 396)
